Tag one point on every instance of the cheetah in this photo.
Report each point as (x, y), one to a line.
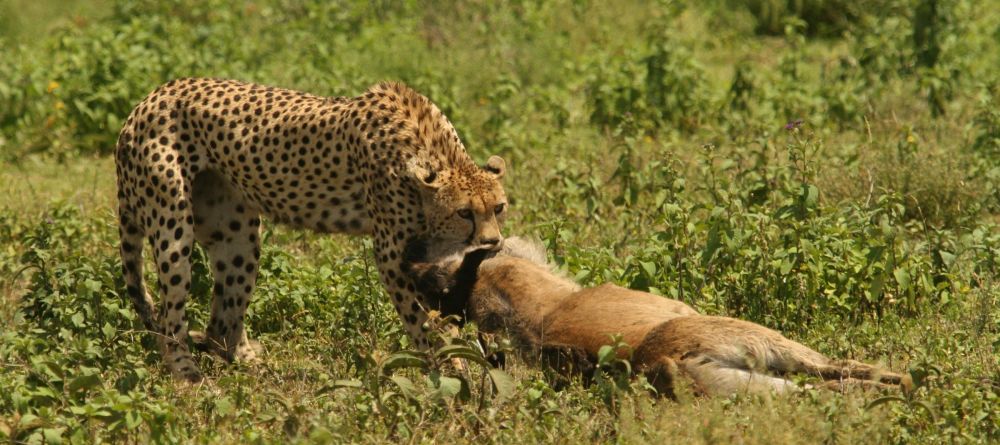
(202, 160)
(516, 293)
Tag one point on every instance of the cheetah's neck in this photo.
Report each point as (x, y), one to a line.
(396, 120)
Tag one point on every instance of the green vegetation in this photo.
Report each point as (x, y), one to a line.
(830, 168)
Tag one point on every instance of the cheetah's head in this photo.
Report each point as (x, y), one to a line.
(464, 209)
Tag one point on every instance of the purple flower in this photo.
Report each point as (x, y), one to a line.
(791, 125)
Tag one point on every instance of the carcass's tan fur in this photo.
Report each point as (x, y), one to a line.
(725, 355)
(517, 293)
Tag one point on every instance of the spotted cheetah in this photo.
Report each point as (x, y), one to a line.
(203, 159)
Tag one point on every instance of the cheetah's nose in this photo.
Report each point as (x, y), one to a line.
(491, 243)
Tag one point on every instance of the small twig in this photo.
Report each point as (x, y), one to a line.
(868, 128)
(871, 187)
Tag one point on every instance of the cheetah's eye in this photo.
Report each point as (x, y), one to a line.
(499, 208)
(465, 213)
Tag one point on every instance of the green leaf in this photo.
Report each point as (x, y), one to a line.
(902, 277)
(224, 406)
(29, 422)
(503, 383)
(448, 386)
(338, 384)
(947, 258)
(649, 268)
(132, 419)
(605, 355)
(786, 266)
(712, 245)
(93, 286)
(53, 369)
(810, 195)
(919, 375)
(53, 435)
(661, 196)
(884, 400)
(77, 319)
(406, 386)
(464, 352)
(533, 393)
(876, 286)
(875, 254)
(927, 407)
(108, 330)
(43, 395)
(347, 383)
(474, 357)
(83, 382)
(403, 359)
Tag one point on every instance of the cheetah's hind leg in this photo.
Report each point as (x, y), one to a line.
(228, 227)
(172, 243)
(131, 253)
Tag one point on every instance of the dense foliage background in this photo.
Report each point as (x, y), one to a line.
(830, 168)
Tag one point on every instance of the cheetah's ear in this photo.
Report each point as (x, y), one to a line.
(424, 174)
(496, 166)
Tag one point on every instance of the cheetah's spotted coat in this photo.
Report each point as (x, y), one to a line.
(202, 160)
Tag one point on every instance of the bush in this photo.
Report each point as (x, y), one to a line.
(659, 88)
(829, 18)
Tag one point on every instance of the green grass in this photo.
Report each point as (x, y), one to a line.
(26, 21)
(647, 147)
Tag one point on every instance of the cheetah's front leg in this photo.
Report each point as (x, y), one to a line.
(401, 289)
